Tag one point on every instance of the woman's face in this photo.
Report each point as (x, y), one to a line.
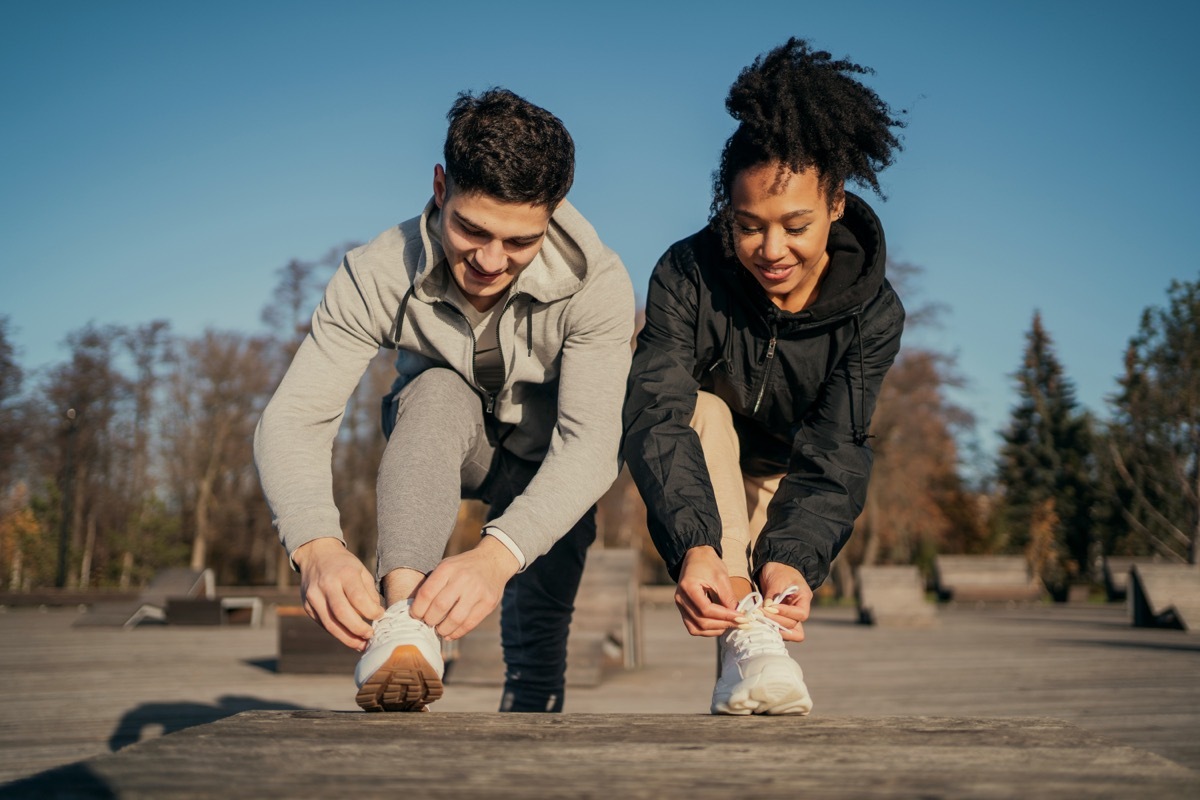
(781, 229)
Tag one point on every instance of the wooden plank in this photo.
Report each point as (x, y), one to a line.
(268, 754)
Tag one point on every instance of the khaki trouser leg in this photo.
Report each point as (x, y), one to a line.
(741, 501)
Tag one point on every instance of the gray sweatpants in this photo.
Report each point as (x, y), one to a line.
(438, 452)
(441, 447)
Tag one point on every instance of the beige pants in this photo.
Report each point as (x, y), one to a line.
(742, 500)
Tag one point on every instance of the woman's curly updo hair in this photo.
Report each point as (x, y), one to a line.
(800, 108)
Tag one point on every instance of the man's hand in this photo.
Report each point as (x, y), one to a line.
(704, 595)
(465, 588)
(775, 578)
(337, 591)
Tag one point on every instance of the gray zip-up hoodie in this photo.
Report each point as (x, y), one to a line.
(565, 334)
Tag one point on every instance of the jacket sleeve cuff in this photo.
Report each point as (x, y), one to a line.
(504, 539)
(800, 556)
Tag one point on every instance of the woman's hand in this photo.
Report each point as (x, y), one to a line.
(774, 579)
(704, 594)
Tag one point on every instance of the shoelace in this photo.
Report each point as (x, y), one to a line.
(391, 622)
(760, 634)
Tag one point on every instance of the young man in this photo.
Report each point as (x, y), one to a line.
(512, 326)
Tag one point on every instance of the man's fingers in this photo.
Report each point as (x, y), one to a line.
(463, 620)
(425, 595)
(364, 597)
(347, 616)
(316, 607)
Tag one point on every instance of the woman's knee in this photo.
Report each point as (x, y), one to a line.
(711, 413)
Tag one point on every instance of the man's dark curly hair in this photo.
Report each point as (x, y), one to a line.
(503, 146)
(798, 107)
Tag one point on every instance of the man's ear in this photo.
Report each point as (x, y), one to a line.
(439, 185)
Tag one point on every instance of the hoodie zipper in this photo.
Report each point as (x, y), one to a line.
(489, 397)
(770, 362)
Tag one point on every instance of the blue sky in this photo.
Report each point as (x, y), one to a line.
(162, 160)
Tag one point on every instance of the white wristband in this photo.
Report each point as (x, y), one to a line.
(504, 539)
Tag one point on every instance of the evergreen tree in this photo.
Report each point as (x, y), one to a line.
(1154, 438)
(1045, 467)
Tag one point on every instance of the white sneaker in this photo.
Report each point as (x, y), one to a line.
(757, 674)
(402, 668)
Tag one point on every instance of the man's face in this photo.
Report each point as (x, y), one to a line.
(487, 242)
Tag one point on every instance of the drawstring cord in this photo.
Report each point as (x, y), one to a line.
(398, 323)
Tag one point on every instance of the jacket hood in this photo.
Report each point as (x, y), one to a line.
(570, 249)
(857, 258)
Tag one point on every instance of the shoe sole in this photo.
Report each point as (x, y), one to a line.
(405, 682)
(769, 692)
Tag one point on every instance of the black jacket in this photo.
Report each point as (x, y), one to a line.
(802, 388)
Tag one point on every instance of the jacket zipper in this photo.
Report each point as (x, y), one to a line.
(770, 360)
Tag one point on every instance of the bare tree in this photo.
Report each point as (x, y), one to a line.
(217, 388)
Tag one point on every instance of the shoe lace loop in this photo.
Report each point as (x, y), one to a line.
(759, 635)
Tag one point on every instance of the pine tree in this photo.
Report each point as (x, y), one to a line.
(1045, 466)
(1154, 438)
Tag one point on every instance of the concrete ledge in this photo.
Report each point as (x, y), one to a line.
(350, 754)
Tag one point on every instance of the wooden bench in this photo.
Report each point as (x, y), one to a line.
(216, 611)
(304, 646)
(893, 597)
(606, 629)
(1165, 596)
(151, 605)
(1116, 574)
(986, 579)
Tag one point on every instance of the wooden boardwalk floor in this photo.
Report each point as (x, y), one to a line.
(68, 694)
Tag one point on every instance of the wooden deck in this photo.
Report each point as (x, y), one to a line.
(287, 754)
(1100, 692)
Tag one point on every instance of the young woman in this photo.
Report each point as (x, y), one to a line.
(767, 336)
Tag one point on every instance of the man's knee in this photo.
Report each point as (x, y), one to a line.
(439, 393)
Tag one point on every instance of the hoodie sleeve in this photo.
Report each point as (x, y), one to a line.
(293, 443)
(812, 514)
(583, 458)
(662, 450)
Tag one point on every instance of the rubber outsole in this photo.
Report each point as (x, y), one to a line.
(405, 682)
(771, 691)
